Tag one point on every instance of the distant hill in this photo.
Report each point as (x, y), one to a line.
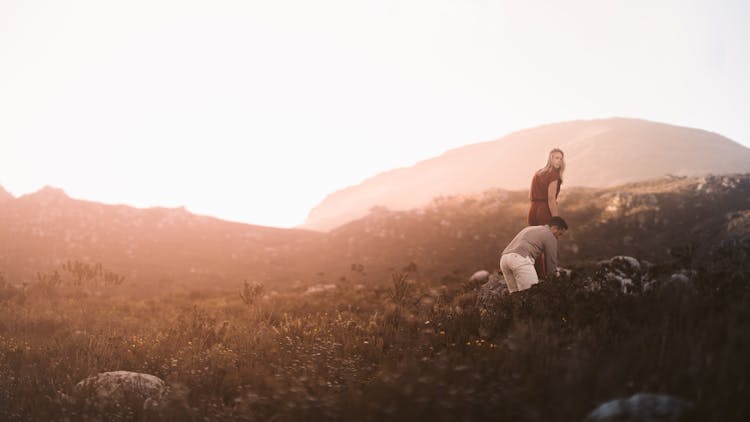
(599, 153)
(5, 195)
(156, 246)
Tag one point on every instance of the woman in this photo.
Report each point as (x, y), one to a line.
(545, 186)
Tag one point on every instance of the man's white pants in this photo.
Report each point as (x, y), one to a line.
(518, 271)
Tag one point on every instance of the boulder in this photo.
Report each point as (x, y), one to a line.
(489, 292)
(683, 276)
(642, 407)
(488, 302)
(121, 388)
(678, 292)
(625, 272)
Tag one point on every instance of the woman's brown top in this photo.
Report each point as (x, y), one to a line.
(540, 185)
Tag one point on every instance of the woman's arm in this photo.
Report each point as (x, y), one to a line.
(551, 198)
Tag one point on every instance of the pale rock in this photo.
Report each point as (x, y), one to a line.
(121, 388)
(481, 276)
(642, 407)
(320, 288)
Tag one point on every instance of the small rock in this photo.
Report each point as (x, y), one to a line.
(642, 407)
(481, 276)
(564, 272)
(679, 278)
(679, 285)
(320, 288)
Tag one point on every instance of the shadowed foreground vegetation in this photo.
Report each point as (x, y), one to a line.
(399, 352)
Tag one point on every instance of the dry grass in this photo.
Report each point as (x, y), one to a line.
(400, 352)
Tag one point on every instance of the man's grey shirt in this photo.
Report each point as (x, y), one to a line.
(532, 241)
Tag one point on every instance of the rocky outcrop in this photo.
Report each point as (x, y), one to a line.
(488, 301)
(626, 272)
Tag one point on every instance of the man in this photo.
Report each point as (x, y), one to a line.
(517, 262)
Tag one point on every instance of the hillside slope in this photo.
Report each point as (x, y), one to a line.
(599, 153)
(662, 220)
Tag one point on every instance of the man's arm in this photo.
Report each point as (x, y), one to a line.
(550, 254)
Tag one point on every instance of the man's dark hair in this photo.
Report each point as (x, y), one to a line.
(558, 222)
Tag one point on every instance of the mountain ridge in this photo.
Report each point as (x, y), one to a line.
(473, 168)
(41, 230)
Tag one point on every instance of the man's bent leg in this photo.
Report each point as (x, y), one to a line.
(525, 273)
(505, 267)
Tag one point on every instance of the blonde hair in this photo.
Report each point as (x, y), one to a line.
(549, 167)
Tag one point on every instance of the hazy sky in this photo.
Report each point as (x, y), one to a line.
(253, 111)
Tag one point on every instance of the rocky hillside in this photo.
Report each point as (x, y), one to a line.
(599, 153)
(667, 220)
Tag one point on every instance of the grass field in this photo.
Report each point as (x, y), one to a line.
(402, 350)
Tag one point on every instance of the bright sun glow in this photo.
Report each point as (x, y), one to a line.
(255, 111)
